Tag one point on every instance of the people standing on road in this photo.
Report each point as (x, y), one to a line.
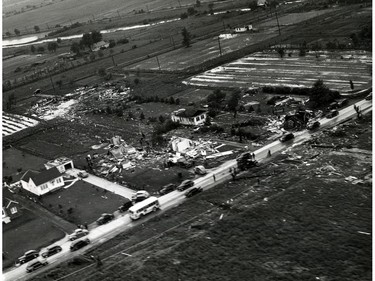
(253, 156)
(214, 177)
(269, 153)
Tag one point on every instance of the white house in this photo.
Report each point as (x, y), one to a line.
(190, 117)
(62, 164)
(100, 46)
(43, 182)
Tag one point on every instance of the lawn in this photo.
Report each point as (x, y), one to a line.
(14, 159)
(27, 232)
(86, 202)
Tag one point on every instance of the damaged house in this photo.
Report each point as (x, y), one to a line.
(296, 120)
(189, 116)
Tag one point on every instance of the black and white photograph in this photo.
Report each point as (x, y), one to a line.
(187, 140)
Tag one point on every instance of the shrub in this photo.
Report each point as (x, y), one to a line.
(123, 41)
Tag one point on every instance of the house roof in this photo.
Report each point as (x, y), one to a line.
(41, 177)
(191, 113)
(8, 198)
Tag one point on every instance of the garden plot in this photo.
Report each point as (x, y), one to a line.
(14, 123)
(336, 69)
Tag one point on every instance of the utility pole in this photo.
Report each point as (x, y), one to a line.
(157, 59)
(174, 46)
(277, 19)
(218, 39)
(50, 77)
(113, 60)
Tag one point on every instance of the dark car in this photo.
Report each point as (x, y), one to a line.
(185, 185)
(313, 125)
(105, 218)
(287, 137)
(125, 206)
(28, 256)
(193, 191)
(79, 244)
(51, 251)
(333, 105)
(369, 96)
(35, 265)
(167, 188)
(332, 114)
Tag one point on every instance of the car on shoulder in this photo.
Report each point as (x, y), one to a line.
(167, 189)
(369, 97)
(105, 218)
(51, 251)
(193, 191)
(83, 174)
(78, 233)
(313, 125)
(140, 196)
(34, 265)
(286, 137)
(185, 185)
(333, 105)
(76, 245)
(28, 256)
(125, 206)
(200, 170)
(332, 114)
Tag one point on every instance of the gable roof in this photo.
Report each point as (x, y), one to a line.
(41, 177)
(8, 198)
(191, 113)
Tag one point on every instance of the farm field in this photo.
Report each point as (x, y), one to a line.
(336, 69)
(208, 49)
(14, 123)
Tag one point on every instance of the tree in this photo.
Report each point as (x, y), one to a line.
(302, 52)
(59, 83)
(207, 122)
(75, 48)
(197, 3)
(161, 119)
(211, 8)
(92, 57)
(87, 40)
(52, 46)
(36, 28)
(281, 52)
(17, 32)
(186, 37)
(191, 11)
(112, 43)
(40, 49)
(184, 16)
(32, 48)
(320, 95)
(177, 101)
(58, 40)
(216, 98)
(253, 5)
(7, 33)
(96, 36)
(142, 116)
(233, 101)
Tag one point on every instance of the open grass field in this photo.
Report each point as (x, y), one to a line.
(336, 69)
(87, 201)
(27, 232)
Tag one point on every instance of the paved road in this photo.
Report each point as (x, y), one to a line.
(103, 233)
(105, 184)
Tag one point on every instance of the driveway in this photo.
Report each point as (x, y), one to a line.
(103, 183)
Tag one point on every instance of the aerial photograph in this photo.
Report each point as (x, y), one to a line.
(187, 140)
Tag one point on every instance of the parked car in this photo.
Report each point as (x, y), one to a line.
(125, 206)
(78, 233)
(140, 196)
(167, 188)
(369, 97)
(287, 137)
(76, 245)
(83, 174)
(185, 185)
(333, 105)
(28, 256)
(36, 264)
(342, 102)
(105, 218)
(193, 191)
(51, 251)
(200, 170)
(332, 113)
(313, 125)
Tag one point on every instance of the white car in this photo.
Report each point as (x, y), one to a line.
(83, 174)
(78, 233)
(140, 195)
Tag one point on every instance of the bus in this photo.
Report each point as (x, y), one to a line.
(144, 207)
